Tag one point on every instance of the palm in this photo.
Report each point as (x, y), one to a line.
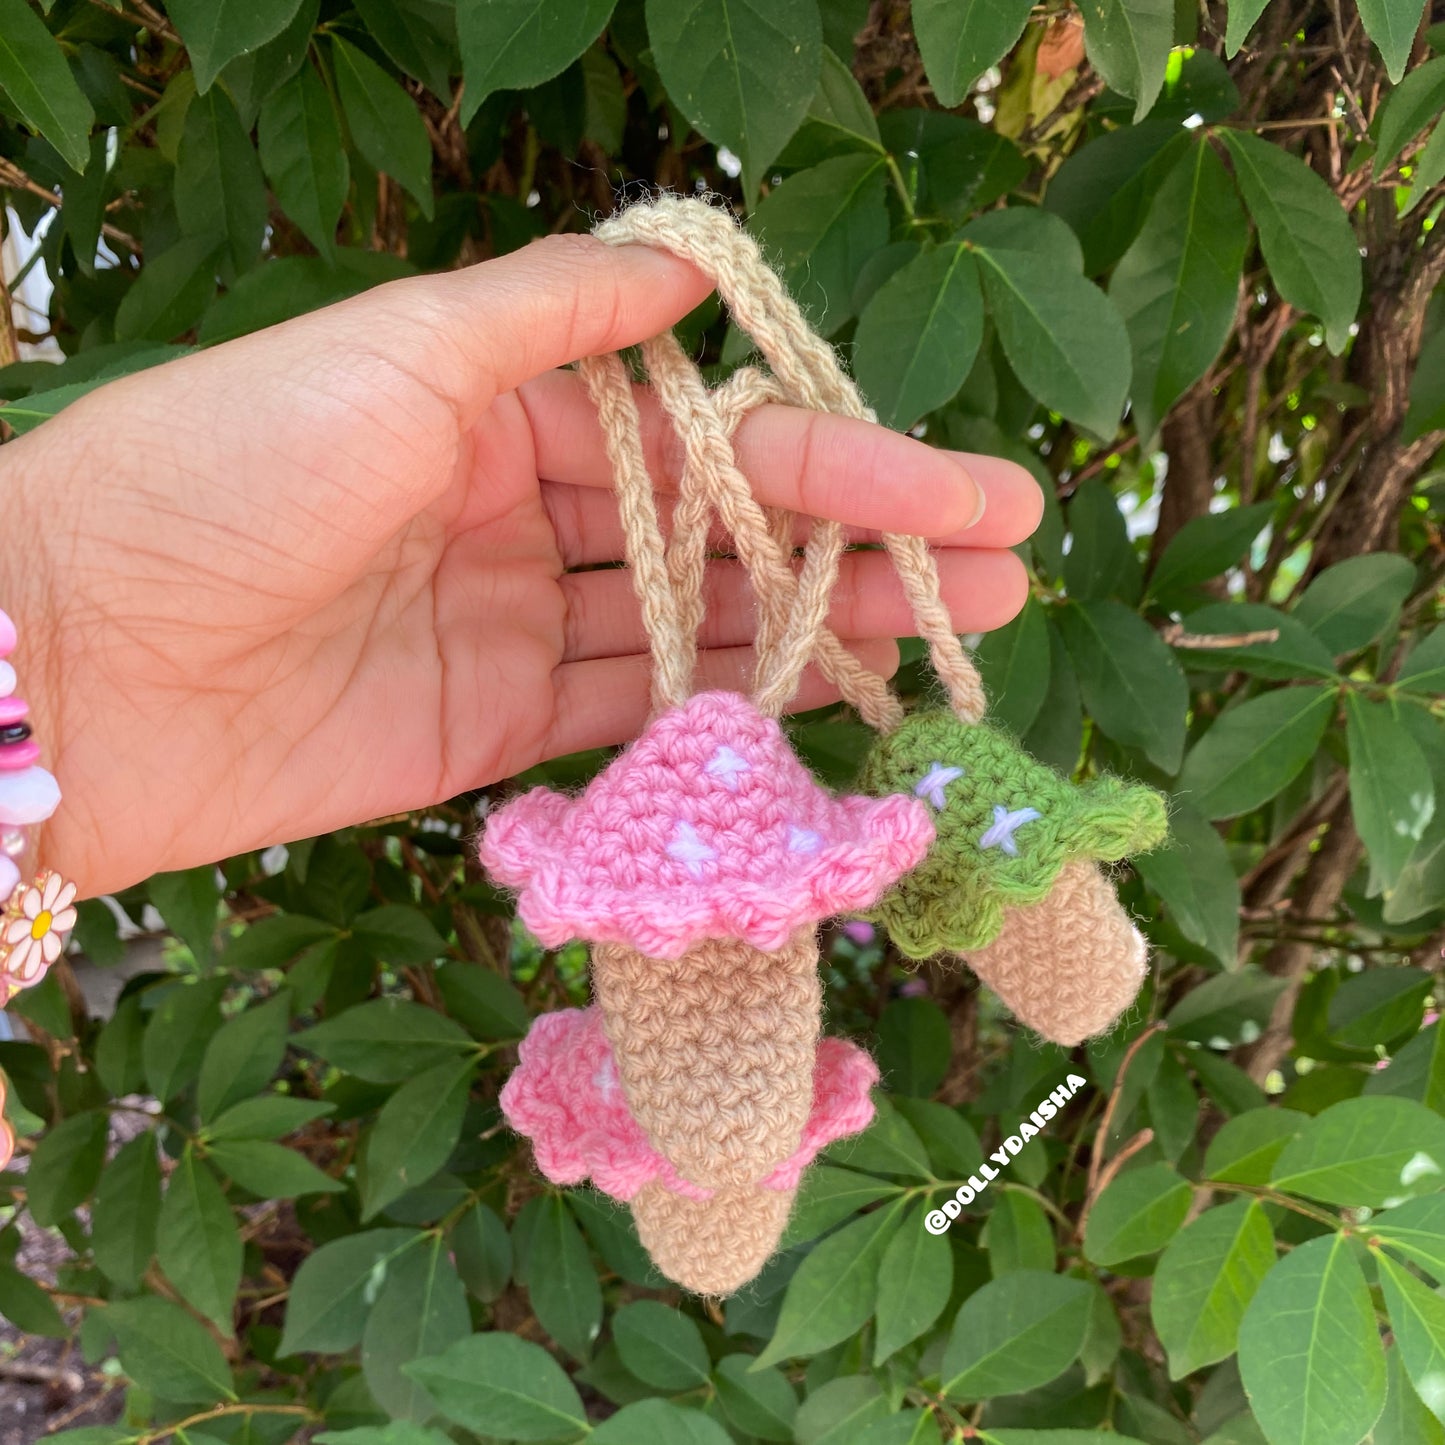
(351, 596)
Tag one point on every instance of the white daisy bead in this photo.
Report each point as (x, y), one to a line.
(29, 796)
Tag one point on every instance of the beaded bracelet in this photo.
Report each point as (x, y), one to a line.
(37, 916)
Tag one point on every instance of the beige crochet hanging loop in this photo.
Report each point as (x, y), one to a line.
(807, 370)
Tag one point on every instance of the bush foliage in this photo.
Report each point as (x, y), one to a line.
(1183, 261)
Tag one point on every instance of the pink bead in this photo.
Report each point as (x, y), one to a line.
(14, 757)
(7, 635)
(13, 710)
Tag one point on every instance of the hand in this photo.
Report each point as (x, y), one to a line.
(321, 573)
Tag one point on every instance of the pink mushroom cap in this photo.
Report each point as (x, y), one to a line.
(708, 826)
(566, 1096)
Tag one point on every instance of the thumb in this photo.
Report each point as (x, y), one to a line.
(502, 322)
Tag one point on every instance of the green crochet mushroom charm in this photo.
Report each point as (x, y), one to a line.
(1006, 826)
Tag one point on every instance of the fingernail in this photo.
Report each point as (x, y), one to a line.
(979, 505)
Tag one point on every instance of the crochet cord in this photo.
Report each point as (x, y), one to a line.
(808, 370)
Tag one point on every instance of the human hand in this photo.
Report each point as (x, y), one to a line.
(321, 573)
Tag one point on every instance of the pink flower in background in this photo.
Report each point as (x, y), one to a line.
(566, 1097)
(860, 931)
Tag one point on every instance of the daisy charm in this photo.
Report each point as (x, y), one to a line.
(33, 930)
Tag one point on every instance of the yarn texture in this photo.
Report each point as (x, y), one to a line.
(565, 1096)
(707, 827)
(1006, 824)
(1069, 965)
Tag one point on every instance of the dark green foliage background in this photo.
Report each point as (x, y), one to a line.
(1181, 260)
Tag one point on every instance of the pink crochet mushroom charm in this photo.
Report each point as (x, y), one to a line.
(699, 864)
(566, 1097)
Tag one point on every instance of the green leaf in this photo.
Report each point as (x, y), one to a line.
(1309, 1348)
(1392, 25)
(659, 1422)
(484, 1003)
(1416, 1072)
(168, 1353)
(1177, 286)
(275, 941)
(889, 1145)
(336, 1286)
(835, 1288)
(918, 336)
(915, 1280)
(1239, 22)
(742, 71)
(950, 164)
(1205, 1280)
(1014, 1334)
(1065, 342)
(1375, 1151)
(959, 41)
(915, 1044)
(27, 1307)
(1101, 561)
(1417, 1317)
(304, 157)
(178, 1033)
(1206, 546)
(953, 1148)
(243, 1056)
(118, 1059)
(1014, 663)
(396, 1432)
(760, 1403)
(1130, 681)
(251, 77)
(1128, 43)
(1139, 1213)
(1416, 101)
(1019, 1235)
(188, 903)
(1255, 749)
(561, 1280)
(660, 1345)
(419, 35)
(1193, 876)
(268, 1116)
(398, 935)
(386, 1040)
(270, 1171)
(841, 1411)
(1426, 412)
(1104, 189)
(826, 1197)
(517, 44)
(822, 224)
(1417, 1230)
(36, 78)
(1247, 1146)
(839, 119)
(415, 1133)
(123, 1222)
(420, 1311)
(65, 1167)
(1350, 604)
(1392, 796)
(385, 125)
(1424, 667)
(482, 1249)
(1406, 1420)
(168, 297)
(1294, 653)
(197, 1243)
(1307, 240)
(504, 1387)
(220, 193)
(217, 31)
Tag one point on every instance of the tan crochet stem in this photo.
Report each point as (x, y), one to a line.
(810, 376)
(712, 1246)
(715, 1050)
(1069, 965)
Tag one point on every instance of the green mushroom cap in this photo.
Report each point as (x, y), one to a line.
(1006, 825)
